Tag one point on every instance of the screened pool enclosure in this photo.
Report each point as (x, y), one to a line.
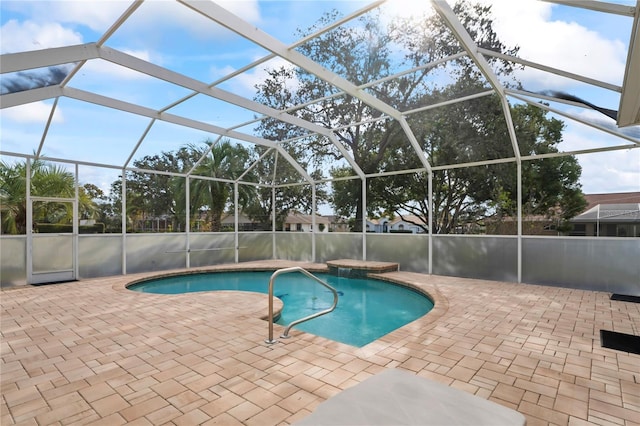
(152, 135)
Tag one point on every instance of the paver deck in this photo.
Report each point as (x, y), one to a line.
(93, 352)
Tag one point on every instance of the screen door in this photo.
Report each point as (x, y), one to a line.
(52, 240)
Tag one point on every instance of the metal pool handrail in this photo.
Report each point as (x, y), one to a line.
(307, 318)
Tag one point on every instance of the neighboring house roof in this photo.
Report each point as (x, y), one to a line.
(612, 207)
(615, 198)
(295, 218)
(616, 213)
(230, 218)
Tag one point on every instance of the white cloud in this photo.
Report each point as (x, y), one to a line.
(98, 68)
(29, 35)
(246, 9)
(608, 123)
(572, 47)
(97, 15)
(603, 172)
(35, 112)
(244, 84)
(616, 171)
(568, 46)
(406, 9)
(173, 15)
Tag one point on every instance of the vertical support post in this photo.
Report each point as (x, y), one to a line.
(430, 218)
(516, 151)
(187, 204)
(236, 221)
(75, 226)
(519, 183)
(123, 214)
(29, 222)
(273, 221)
(273, 207)
(364, 218)
(313, 222)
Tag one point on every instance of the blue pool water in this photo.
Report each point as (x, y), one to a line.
(367, 309)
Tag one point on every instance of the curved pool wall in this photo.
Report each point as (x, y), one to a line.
(367, 308)
(590, 263)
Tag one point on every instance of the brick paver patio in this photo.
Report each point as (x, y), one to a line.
(93, 352)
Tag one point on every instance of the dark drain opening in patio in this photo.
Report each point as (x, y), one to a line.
(620, 341)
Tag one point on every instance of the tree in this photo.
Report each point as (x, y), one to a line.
(221, 160)
(272, 170)
(463, 196)
(163, 195)
(105, 211)
(47, 180)
(550, 186)
(151, 195)
(364, 54)
(13, 198)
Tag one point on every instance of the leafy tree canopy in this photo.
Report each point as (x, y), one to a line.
(153, 195)
(470, 195)
(277, 191)
(47, 180)
(367, 53)
(463, 132)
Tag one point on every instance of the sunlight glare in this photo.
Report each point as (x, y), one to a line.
(407, 9)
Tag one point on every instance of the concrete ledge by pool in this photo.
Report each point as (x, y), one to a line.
(397, 397)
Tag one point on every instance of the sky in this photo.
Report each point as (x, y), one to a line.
(165, 33)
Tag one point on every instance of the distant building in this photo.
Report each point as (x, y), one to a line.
(298, 222)
(609, 215)
(406, 224)
(295, 222)
(244, 223)
(337, 224)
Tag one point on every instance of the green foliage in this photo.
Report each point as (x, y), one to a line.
(371, 50)
(470, 195)
(217, 160)
(47, 180)
(362, 54)
(161, 195)
(53, 228)
(460, 133)
(346, 192)
(13, 198)
(272, 170)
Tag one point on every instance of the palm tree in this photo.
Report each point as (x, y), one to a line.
(222, 160)
(47, 180)
(13, 198)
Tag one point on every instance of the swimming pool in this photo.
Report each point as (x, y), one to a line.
(367, 308)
